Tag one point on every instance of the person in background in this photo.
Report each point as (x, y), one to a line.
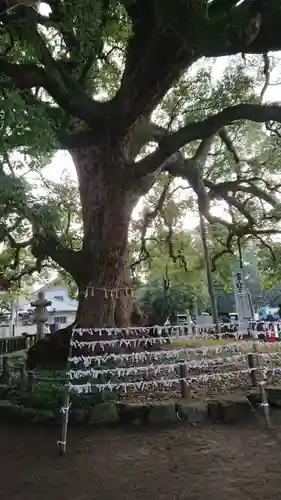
(256, 313)
(270, 318)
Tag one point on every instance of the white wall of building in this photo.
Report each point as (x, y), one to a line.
(61, 318)
(61, 312)
(19, 330)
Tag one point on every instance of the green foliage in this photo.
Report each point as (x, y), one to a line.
(48, 396)
(34, 210)
(270, 264)
(82, 49)
(179, 298)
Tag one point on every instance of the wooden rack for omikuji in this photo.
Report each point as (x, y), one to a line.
(138, 359)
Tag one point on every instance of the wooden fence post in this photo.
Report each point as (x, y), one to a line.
(183, 376)
(5, 378)
(65, 414)
(31, 381)
(23, 377)
(5, 367)
(25, 336)
(252, 366)
(262, 381)
(264, 403)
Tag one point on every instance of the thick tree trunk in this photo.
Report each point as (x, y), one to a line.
(107, 205)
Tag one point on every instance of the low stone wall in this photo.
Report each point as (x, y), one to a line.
(230, 409)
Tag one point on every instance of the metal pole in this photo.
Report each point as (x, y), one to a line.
(240, 253)
(12, 319)
(211, 289)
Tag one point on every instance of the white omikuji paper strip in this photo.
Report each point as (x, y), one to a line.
(141, 357)
(129, 330)
(171, 331)
(148, 329)
(169, 367)
(125, 342)
(172, 328)
(205, 362)
(156, 369)
(166, 383)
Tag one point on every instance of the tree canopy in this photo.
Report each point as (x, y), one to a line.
(135, 81)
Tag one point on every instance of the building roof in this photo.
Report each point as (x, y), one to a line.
(60, 306)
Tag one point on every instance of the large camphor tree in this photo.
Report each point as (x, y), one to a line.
(88, 76)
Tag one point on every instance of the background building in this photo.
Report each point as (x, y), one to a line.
(62, 311)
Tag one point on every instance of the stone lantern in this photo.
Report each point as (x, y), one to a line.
(40, 313)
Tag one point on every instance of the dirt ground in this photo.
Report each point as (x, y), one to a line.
(208, 463)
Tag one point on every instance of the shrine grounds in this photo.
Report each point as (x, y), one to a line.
(179, 461)
(204, 462)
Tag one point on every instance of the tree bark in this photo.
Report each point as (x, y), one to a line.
(107, 205)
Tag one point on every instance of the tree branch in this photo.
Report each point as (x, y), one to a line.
(7, 5)
(144, 132)
(59, 87)
(167, 39)
(192, 170)
(53, 77)
(241, 207)
(159, 44)
(224, 251)
(252, 27)
(266, 72)
(68, 259)
(16, 246)
(242, 185)
(202, 152)
(149, 216)
(27, 76)
(176, 257)
(267, 245)
(21, 75)
(68, 35)
(204, 129)
(28, 271)
(225, 138)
